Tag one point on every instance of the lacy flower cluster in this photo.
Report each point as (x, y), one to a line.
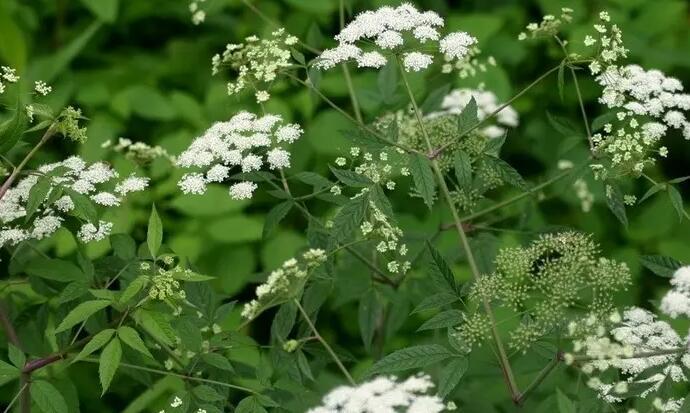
(380, 167)
(553, 274)
(256, 62)
(549, 26)
(647, 104)
(60, 189)
(7, 75)
(401, 30)
(284, 283)
(628, 356)
(246, 142)
(138, 152)
(677, 301)
(388, 239)
(383, 395)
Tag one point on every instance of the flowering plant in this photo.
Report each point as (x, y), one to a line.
(416, 264)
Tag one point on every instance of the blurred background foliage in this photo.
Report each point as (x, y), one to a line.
(140, 69)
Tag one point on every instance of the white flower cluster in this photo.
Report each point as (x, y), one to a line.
(379, 228)
(609, 44)
(383, 395)
(638, 332)
(244, 141)
(677, 301)
(284, 282)
(549, 26)
(71, 175)
(8, 75)
(256, 62)
(391, 30)
(648, 104)
(198, 14)
(139, 152)
(42, 88)
(379, 167)
(487, 102)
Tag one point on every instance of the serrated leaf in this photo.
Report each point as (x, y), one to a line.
(506, 172)
(11, 130)
(54, 269)
(298, 56)
(440, 272)
(207, 393)
(109, 362)
(8, 372)
(274, 216)
(468, 117)
(368, 315)
(350, 216)
(37, 195)
(303, 365)
(661, 265)
(378, 196)
(313, 179)
(133, 289)
(423, 177)
(565, 405)
(679, 180)
(250, 405)
(284, 321)
(676, 200)
(351, 178)
(155, 324)
(154, 233)
(451, 375)
(15, 355)
(218, 361)
(410, 358)
(651, 191)
(614, 200)
(84, 208)
(444, 319)
(435, 301)
(131, 337)
(47, 397)
(81, 313)
(463, 170)
(96, 342)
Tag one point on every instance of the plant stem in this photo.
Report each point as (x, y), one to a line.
(324, 343)
(346, 71)
(502, 356)
(644, 354)
(15, 173)
(557, 358)
(15, 398)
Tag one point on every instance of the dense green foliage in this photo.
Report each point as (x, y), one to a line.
(139, 69)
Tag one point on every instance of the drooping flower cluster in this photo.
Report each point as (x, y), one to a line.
(256, 63)
(402, 30)
(246, 142)
(609, 44)
(139, 152)
(383, 395)
(647, 351)
(549, 277)
(8, 75)
(677, 301)
(284, 283)
(388, 240)
(549, 26)
(61, 189)
(647, 104)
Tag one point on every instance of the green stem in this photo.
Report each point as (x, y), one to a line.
(502, 357)
(15, 398)
(558, 357)
(644, 354)
(324, 343)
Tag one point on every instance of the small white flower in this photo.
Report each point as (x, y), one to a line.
(242, 190)
(42, 87)
(278, 158)
(416, 61)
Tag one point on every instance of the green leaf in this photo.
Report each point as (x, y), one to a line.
(651, 191)
(218, 361)
(435, 301)
(614, 200)
(73, 291)
(434, 100)
(105, 10)
(388, 82)
(37, 195)
(284, 321)
(130, 337)
(676, 201)
(8, 372)
(369, 314)
(15, 355)
(250, 405)
(440, 272)
(81, 313)
(563, 125)
(124, 246)
(443, 319)
(661, 265)
(84, 208)
(313, 179)
(463, 170)
(47, 397)
(54, 269)
(423, 178)
(155, 324)
(468, 117)
(351, 178)
(451, 375)
(303, 365)
(109, 362)
(207, 393)
(410, 358)
(274, 216)
(565, 405)
(507, 173)
(350, 216)
(154, 233)
(95, 343)
(11, 130)
(133, 289)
